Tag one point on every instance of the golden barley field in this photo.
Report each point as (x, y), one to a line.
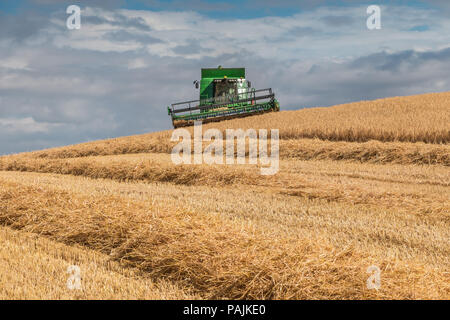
(359, 185)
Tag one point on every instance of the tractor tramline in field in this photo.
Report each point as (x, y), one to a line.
(224, 94)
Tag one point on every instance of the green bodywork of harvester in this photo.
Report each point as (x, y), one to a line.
(224, 94)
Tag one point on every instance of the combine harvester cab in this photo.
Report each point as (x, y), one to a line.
(224, 94)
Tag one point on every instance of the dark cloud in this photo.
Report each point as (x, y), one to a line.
(442, 4)
(310, 4)
(303, 31)
(193, 47)
(22, 25)
(196, 5)
(108, 4)
(371, 77)
(395, 62)
(338, 21)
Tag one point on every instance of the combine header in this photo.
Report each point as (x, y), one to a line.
(224, 94)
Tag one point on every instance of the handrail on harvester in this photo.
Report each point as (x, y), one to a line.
(202, 103)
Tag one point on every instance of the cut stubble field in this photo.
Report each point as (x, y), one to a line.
(358, 185)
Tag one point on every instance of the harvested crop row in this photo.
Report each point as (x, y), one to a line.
(382, 232)
(301, 149)
(371, 152)
(147, 170)
(410, 192)
(215, 257)
(33, 267)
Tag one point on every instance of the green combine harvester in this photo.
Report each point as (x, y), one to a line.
(224, 94)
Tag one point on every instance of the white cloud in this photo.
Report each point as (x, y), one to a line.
(137, 64)
(25, 125)
(318, 33)
(14, 63)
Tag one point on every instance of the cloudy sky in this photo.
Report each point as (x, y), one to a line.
(116, 75)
